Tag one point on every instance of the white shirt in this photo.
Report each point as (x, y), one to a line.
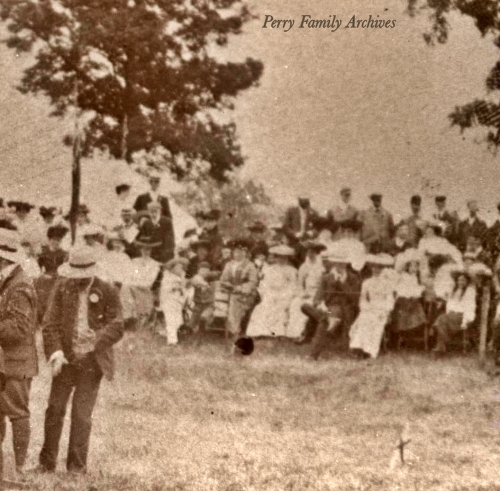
(84, 339)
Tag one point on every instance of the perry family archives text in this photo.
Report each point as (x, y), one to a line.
(333, 23)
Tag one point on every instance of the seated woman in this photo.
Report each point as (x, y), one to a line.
(460, 310)
(309, 277)
(408, 312)
(376, 304)
(276, 289)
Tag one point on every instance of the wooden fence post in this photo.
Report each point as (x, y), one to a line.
(485, 308)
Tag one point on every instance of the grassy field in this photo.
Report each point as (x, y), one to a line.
(184, 418)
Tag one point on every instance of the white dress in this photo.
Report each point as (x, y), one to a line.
(376, 303)
(276, 289)
(172, 299)
(309, 277)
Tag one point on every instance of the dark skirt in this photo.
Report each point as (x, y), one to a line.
(408, 314)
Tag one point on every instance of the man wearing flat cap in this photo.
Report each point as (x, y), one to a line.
(82, 323)
(472, 225)
(153, 195)
(449, 218)
(378, 225)
(299, 220)
(343, 212)
(18, 310)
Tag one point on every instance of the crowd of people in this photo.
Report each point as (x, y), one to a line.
(351, 276)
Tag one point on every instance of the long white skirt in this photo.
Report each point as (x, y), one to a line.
(270, 317)
(172, 305)
(367, 331)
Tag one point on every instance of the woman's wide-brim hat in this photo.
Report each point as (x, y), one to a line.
(10, 246)
(182, 261)
(335, 255)
(382, 259)
(82, 263)
(282, 250)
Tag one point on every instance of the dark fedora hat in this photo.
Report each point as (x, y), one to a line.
(46, 212)
(257, 226)
(240, 243)
(146, 241)
(314, 245)
(57, 232)
(213, 215)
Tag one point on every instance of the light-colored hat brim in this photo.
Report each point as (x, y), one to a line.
(68, 271)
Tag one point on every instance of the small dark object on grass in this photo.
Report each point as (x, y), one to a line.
(243, 346)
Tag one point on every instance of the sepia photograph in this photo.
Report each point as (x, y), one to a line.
(249, 245)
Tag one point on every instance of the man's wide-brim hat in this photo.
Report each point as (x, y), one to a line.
(47, 212)
(20, 206)
(375, 196)
(182, 261)
(334, 254)
(10, 245)
(82, 263)
(200, 243)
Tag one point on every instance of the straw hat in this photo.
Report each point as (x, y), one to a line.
(282, 250)
(335, 255)
(82, 263)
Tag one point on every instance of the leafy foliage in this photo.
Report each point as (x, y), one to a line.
(144, 70)
(486, 17)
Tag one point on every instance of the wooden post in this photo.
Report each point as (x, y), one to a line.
(75, 171)
(485, 308)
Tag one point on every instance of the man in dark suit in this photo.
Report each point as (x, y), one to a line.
(161, 231)
(416, 224)
(142, 201)
(472, 225)
(450, 219)
(299, 221)
(18, 310)
(335, 303)
(82, 323)
(493, 238)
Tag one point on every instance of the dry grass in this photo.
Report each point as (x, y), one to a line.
(196, 419)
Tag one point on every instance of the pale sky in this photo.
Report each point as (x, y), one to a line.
(365, 108)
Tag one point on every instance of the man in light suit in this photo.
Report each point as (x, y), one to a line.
(378, 226)
(343, 213)
(142, 201)
(82, 323)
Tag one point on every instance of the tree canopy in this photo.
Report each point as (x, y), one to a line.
(486, 16)
(145, 72)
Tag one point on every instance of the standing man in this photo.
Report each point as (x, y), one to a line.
(212, 235)
(416, 224)
(450, 219)
(378, 226)
(299, 221)
(153, 195)
(344, 212)
(472, 225)
(18, 311)
(161, 230)
(82, 323)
